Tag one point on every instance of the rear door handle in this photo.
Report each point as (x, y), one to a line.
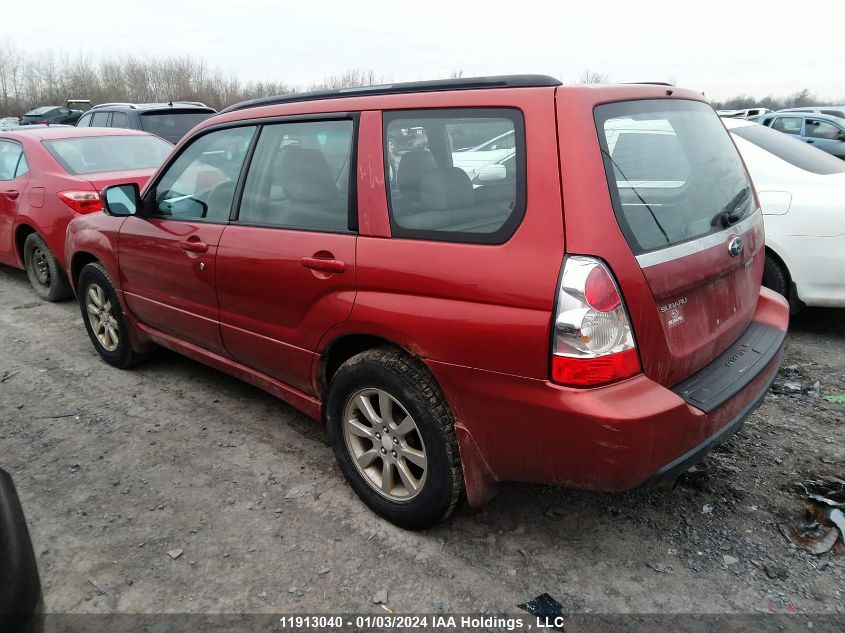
(12, 194)
(324, 265)
(193, 246)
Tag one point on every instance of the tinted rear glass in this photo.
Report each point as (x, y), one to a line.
(791, 150)
(172, 125)
(93, 154)
(673, 173)
(41, 110)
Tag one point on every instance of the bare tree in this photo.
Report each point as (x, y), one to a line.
(590, 77)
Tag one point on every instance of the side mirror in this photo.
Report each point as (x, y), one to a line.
(122, 200)
(492, 173)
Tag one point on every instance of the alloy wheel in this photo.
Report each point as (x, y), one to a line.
(101, 318)
(385, 444)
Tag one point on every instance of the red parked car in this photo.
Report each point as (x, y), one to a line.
(584, 310)
(48, 175)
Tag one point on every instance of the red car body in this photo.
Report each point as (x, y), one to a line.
(30, 202)
(247, 301)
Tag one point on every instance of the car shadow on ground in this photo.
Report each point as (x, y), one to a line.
(829, 321)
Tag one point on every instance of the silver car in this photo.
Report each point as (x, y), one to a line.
(820, 130)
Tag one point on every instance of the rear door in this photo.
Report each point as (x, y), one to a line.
(686, 207)
(286, 265)
(825, 135)
(167, 255)
(14, 174)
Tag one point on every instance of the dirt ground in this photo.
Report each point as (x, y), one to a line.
(120, 471)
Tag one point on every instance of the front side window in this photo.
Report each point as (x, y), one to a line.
(85, 121)
(673, 173)
(455, 175)
(821, 129)
(94, 154)
(787, 124)
(299, 176)
(200, 183)
(11, 155)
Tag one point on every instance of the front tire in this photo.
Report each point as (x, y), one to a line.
(103, 317)
(394, 438)
(43, 271)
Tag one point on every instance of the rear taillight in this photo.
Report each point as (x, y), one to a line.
(593, 343)
(82, 201)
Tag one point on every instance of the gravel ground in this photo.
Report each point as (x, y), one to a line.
(174, 488)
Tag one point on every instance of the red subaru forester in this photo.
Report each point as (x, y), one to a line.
(470, 281)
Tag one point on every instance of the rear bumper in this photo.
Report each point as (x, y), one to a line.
(613, 438)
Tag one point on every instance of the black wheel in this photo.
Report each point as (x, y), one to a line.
(103, 317)
(776, 277)
(394, 438)
(45, 275)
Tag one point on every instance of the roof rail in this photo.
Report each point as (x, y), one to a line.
(111, 105)
(470, 83)
(651, 83)
(193, 103)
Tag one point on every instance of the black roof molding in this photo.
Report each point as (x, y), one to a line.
(469, 83)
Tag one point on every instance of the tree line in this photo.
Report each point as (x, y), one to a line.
(30, 79)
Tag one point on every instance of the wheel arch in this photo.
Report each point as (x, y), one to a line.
(22, 231)
(77, 263)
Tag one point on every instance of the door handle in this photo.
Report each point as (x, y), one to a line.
(323, 264)
(12, 194)
(193, 246)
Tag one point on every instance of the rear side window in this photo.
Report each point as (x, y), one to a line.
(455, 175)
(299, 177)
(791, 150)
(814, 128)
(94, 154)
(11, 156)
(100, 119)
(673, 173)
(119, 119)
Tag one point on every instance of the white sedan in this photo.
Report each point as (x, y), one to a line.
(802, 192)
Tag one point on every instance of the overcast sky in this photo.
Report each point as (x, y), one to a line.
(720, 47)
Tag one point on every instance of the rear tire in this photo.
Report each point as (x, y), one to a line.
(103, 317)
(776, 277)
(43, 271)
(394, 438)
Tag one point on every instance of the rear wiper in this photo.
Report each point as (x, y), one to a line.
(730, 213)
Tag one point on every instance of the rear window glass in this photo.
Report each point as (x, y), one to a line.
(89, 155)
(41, 110)
(791, 150)
(172, 125)
(673, 173)
(455, 175)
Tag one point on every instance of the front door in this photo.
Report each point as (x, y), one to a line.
(286, 265)
(825, 135)
(14, 174)
(167, 253)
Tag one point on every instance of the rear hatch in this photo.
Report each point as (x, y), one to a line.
(687, 209)
(172, 124)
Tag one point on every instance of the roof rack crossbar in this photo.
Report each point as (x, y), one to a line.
(112, 105)
(470, 83)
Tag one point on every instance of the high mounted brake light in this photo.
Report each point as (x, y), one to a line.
(593, 343)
